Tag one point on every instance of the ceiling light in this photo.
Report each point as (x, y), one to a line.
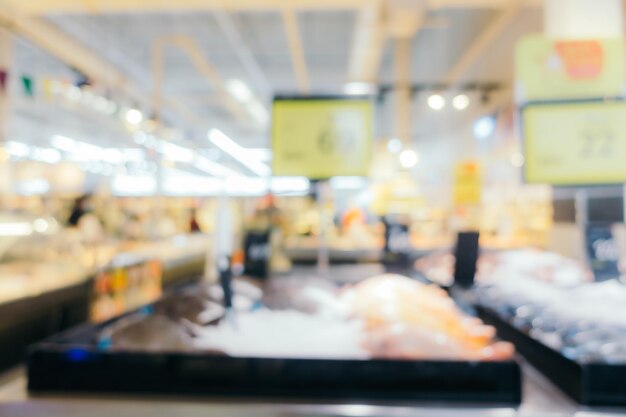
(63, 143)
(517, 160)
(394, 145)
(408, 158)
(133, 185)
(174, 152)
(16, 229)
(134, 116)
(238, 152)
(436, 102)
(17, 149)
(359, 89)
(258, 111)
(484, 127)
(213, 168)
(239, 90)
(41, 225)
(260, 154)
(460, 102)
(48, 155)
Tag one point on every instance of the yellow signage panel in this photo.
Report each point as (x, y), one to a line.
(321, 138)
(548, 69)
(579, 143)
(467, 183)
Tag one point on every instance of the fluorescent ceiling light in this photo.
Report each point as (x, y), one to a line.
(17, 149)
(133, 116)
(258, 111)
(408, 158)
(238, 152)
(16, 229)
(359, 89)
(174, 152)
(239, 90)
(213, 168)
(133, 185)
(63, 143)
(436, 102)
(290, 185)
(260, 154)
(48, 155)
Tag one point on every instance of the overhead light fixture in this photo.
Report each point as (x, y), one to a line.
(517, 160)
(436, 102)
(143, 185)
(174, 152)
(226, 144)
(359, 89)
(258, 111)
(48, 155)
(484, 127)
(239, 90)
(213, 168)
(16, 229)
(18, 149)
(394, 145)
(460, 102)
(133, 116)
(260, 154)
(408, 158)
(41, 225)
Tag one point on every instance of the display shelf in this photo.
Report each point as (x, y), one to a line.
(73, 362)
(596, 384)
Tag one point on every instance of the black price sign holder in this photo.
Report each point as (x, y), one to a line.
(398, 248)
(257, 250)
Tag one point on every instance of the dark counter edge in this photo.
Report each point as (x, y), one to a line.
(593, 384)
(70, 362)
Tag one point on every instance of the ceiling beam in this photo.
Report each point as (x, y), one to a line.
(483, 42)
(126, 6)
(298, 60)
(368, 43)
(67, 50)
(202, 65)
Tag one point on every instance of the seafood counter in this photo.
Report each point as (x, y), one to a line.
(560, 319)
(387, 336)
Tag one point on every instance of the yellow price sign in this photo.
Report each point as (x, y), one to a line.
(467, 183)
(321, 138)
(579, 143)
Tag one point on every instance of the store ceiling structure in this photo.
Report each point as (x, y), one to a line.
(313, 46)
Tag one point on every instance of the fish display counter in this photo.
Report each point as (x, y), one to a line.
(385, 337)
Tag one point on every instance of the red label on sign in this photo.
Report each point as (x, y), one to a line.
(581, 59)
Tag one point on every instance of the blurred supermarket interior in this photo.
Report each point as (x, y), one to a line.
(312, 207)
